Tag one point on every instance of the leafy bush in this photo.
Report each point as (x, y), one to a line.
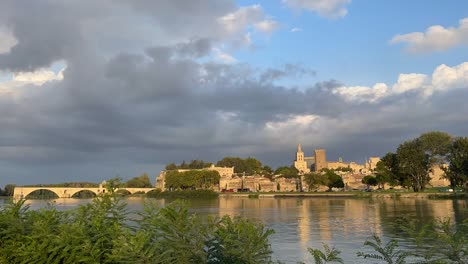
(103, 232)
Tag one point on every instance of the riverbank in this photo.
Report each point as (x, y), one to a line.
(392, 195)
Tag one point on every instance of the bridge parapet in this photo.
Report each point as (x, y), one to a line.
(68, 192)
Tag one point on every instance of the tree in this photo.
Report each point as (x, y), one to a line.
(199, 164)
(194, 179)
(414, 164)
(387, 171)
(314, 180)
(171, 166)
(334, 180)
(267, 172)
(142, 181)
(457, 171)
(253, 166)
(236, 162)
(9, 189)
(343, 169)
(388, 253)
(369, 180)
(287, 172)
(248, 166)
(436, 144)
(329, 255)
(183, 165)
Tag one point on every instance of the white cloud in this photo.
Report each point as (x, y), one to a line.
(436, 38)
(294, 30)
(38, 78)
(7, 40)
(362, 93)
(446, 78)
(409, 82)
(242, 18)
(236, 25)
(291, 121)
(223, 56)
(325, 8)
(266, 26)
(295, 126)
(443, 78)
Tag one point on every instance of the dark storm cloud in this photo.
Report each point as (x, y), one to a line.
(127, 110)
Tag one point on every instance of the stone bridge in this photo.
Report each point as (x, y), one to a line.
(68, 192)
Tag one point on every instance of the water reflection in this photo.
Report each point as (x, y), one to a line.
(300, 223)
(346, 223)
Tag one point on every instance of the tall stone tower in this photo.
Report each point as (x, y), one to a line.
(320, 159)
(300, 163)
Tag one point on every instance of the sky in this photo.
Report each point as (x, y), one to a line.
(91, 90)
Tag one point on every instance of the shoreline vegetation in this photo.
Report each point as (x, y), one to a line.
(103, 231)
(209, 194)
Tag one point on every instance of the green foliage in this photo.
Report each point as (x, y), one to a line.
(436, 144)
(142, 181)
(239, 240)
(9, 189)
(388, 253)
(314, 180)
(191, 180)
(103, 232)
(171, 166)
(369, 181)
(439, 240)
(267, 172)
(414, 164)
(343, 169)
(457, 171)
(287, 172)
(249, 166)
(386, 171)
(329, 255)
(194, 164)
(333, 180)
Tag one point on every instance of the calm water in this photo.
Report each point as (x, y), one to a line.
(308, 222)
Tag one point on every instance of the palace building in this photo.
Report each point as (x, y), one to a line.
(319, 161)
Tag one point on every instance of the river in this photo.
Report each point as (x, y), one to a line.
(300, 223)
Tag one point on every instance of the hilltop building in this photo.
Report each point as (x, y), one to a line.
(319, 161)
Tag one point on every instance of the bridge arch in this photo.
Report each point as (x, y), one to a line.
(74, 193)
(28, 193)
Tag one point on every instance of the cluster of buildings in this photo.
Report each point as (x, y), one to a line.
(352, 174)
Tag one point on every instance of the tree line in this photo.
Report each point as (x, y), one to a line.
(191, 180)
(7, 190)
(411, 164)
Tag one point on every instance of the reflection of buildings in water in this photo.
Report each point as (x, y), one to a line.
(320, 220)
(303, 226)
(335, 221)
(444, 209)
(356, 211)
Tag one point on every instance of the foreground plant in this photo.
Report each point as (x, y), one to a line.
(329, 255)
(104, 232)
(388, 253)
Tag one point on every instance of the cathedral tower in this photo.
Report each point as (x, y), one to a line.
(320, 160)
(300, 163)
